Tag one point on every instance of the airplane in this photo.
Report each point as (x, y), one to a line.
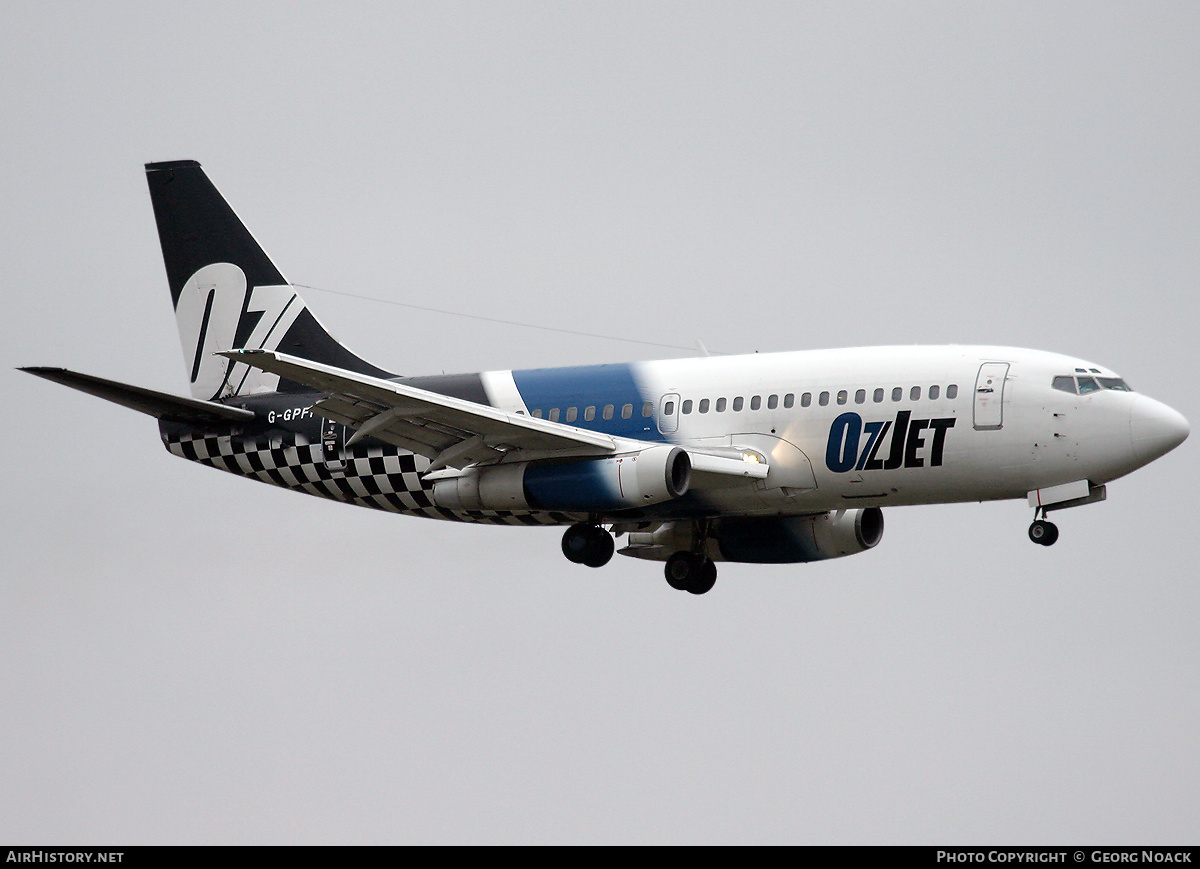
(765, 458)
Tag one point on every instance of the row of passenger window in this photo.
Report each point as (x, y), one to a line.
(806, 399)
(589, 413)
(738, 404)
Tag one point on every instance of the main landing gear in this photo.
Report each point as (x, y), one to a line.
(688, 571)
(1043, 531)
(588, 544)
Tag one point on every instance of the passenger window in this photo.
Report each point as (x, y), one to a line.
(608, 411)
(1087, 384)
(589, 413)
(1115, 383)
(668, 408)
(720, 405)
(842, 396)
(704, 405)
(860, 397)
(1064, 382)
(772, 402)
(934, 392)
(554, 414)
(823, 399)
(572, 412)
(897, 394)
(878, 396)
(756, 402)
(537, 414)
(914, 394)
(806, 399)
(627, 411)
(687, 406)
(789, 400)
(647, 409)
(737, 403)
(952, 391)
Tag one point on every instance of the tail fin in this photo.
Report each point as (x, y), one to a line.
(227, 293)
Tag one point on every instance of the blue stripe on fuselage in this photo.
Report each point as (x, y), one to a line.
(590, 386)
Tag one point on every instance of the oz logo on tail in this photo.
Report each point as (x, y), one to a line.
(218, 311)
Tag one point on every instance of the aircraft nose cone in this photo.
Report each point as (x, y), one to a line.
(1155, 429)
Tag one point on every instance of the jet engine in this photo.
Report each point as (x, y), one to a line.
(788, 539)
(623, 482)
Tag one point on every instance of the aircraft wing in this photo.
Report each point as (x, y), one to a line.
(450, 432)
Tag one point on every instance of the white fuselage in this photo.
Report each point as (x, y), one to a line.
(836, 430)
(884, 426)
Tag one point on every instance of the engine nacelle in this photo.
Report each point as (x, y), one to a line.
(789, 539)
(623, 482)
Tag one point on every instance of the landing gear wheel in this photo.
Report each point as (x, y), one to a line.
(575, 542)
(601, 548)
(704, 578)
(687, 571)
(588, 544)
(679, 570)
(1043, 532)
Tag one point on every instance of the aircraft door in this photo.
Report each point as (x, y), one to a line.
(668, 413)
(989, 395)
(333, 440)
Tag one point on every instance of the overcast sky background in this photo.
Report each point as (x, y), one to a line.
(186, 656)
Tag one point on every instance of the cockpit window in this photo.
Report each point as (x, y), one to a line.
(1082, 384)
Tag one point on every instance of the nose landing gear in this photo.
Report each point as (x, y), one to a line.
(1043, 531)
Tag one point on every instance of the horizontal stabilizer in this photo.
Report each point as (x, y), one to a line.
(157, 404)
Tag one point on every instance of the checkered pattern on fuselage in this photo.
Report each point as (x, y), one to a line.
(379, 476)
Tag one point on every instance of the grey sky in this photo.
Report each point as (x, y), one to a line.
(191, 657)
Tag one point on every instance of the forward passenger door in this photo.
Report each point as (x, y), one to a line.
(989, 396)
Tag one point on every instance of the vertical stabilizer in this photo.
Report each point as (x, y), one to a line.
(227, 293)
